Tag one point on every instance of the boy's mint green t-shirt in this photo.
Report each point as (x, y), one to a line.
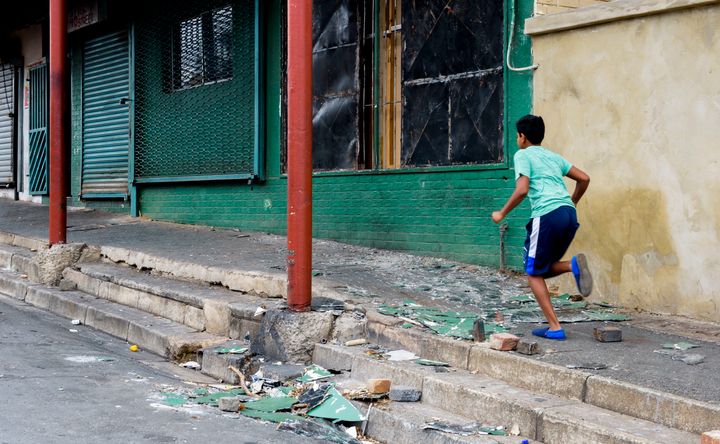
(545, 170)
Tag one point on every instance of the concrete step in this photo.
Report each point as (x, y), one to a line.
(663, 408)
(199, 305)
(543, 417)
(18, 259)
(159, 335)
(402, 423)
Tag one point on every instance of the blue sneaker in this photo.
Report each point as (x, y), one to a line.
(583, 278)
(540, 331)
(545, 332)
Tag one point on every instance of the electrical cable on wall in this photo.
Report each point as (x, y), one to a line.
(510, 41)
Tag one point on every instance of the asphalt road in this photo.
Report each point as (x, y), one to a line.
(58, 386)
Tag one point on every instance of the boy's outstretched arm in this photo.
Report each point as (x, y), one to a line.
(582, 182)
(522, 186)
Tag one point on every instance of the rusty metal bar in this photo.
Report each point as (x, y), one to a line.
(58, 99)
(299, 143)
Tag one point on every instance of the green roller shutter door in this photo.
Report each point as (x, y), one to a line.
(106, 118)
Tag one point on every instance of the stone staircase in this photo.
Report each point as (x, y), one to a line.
(177, 310)
(462, 397)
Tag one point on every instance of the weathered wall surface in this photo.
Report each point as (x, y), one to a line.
(636, 103)
(543, 7)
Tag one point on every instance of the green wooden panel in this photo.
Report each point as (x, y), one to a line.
(38, 130)
(105, 116)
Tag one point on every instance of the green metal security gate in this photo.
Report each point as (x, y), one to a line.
(38, 130)
(106, 118)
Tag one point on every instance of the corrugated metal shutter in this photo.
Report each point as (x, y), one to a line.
(38, 130)
(106, 122)
(7, 107)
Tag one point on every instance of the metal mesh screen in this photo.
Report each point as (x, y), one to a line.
(195, 89)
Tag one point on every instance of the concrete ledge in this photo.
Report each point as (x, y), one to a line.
(71, 305)
(271, 284)
(453, 351)
(663, 408)
(333, 357)
(573, 423)
(13, 286)
(606, 13)
(401, 423)
(25, 265)
(528, 373)
(488, 400)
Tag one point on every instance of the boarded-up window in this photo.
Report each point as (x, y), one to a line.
(452, 82)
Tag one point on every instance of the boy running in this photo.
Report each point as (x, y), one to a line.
(539, 174)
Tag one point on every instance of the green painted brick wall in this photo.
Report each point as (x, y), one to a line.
(439, 214)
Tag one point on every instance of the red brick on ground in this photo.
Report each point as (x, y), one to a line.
(378, 385)
(503, 341)
(710, 437)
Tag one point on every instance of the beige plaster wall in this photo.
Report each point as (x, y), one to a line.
(636, 104)
(544, 7)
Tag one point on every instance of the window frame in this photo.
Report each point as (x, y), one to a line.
(207, 40)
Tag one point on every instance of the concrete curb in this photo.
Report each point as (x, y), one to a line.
(159, 335)
(628, 399)
(546, 418)
(402, 424)
(273, 285)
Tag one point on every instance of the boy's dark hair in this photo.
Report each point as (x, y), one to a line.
(532, 127)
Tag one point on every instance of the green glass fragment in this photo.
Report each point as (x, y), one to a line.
(684, 346)
(314, 373)
(271, 404)
(212, 399)
(493, 431)
(522, 298)
(231, 350)
(406, 325)
(336, 408)
(276, 417)
(600, 315)
(173, 399)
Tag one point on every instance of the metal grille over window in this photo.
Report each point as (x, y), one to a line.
(195, 98)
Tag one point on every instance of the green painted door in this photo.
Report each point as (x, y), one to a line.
(38, 130)
(106, 116)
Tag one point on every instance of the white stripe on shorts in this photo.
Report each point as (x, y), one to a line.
(534, 237)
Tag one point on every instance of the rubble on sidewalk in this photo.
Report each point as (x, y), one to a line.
(503, 341)
(607, 334)
(305, 405)
(527, 347)
(496, 317)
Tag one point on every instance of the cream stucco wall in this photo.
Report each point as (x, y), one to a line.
(636, 104)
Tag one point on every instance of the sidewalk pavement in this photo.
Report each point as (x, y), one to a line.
(370, 277)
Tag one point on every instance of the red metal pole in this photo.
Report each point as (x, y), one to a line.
(58, 72)
(299, 143)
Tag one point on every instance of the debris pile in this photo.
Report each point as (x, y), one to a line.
(307, 405)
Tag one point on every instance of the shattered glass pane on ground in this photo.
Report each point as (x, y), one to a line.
(499, 317)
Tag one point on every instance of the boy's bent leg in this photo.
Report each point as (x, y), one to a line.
(558, 268)
(542, 295)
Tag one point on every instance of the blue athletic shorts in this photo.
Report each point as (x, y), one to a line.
(548, 238)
